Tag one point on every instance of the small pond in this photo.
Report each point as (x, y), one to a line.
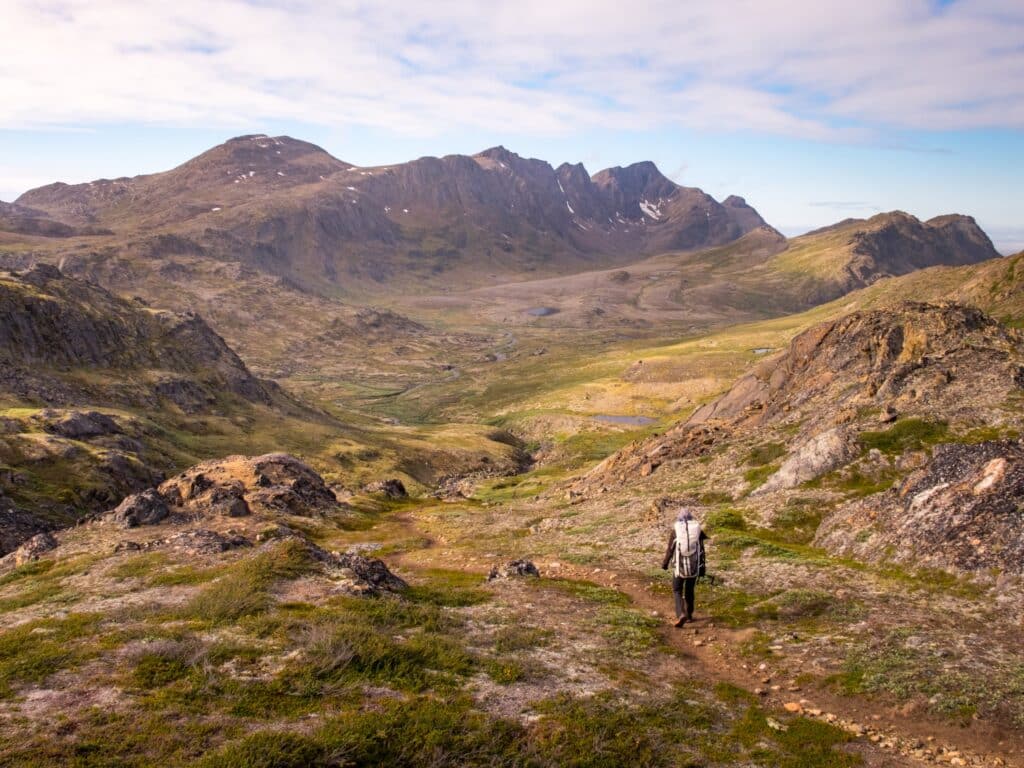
(542, 311)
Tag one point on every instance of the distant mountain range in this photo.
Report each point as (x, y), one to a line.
(292, 209)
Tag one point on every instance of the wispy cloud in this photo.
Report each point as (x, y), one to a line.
(837, 71)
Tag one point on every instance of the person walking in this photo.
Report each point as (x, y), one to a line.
(685, 552)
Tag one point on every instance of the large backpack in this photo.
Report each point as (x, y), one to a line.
(689, 550)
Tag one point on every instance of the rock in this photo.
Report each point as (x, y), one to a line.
(275, 483)
(371, 574)
(814, 458)
(227, 501)
(794, 707)
(775, 725)
(78, 425)
(234, 507)
(513, 569)
(648, 468)
(930, 361)
(146, 508)
(959, 512)
(393, 488)
(17, 526)
(31, 549)
(203, 542)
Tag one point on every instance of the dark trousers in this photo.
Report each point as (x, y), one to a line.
(683, 588)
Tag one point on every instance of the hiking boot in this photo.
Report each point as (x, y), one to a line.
(680, 621)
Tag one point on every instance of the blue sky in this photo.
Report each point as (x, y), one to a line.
(812, 112)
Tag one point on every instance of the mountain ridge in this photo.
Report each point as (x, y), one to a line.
(292, 208)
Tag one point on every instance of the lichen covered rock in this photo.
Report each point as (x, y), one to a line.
(961, 512)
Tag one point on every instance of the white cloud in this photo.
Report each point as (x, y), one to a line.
(791, 67)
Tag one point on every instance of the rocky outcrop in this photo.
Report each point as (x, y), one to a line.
(366, 575)
(897, 243)
(237, 486)
(23, 220)
(821, 454)
(960, 512)
(194, 541)
(48, 319)
(79, 425)
(944, 358)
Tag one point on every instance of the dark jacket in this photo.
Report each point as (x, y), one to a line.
(670, 550)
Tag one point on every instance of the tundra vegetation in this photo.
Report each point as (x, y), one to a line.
(262, 535)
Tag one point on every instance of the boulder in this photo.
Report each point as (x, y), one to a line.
(146, 508)
(79, 425)
(203, 542)
(31, 549)
(17, 526)
(366, 575)
(819, 455)
(393, 488)
(513, 569)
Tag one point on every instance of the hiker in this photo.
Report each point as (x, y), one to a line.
(686, 553)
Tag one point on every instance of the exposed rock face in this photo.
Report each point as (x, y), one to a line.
(47, 318)
(233, 487)
(944, 358)
(897, 243)
(77, 425)
(819, 455)
(99, 459)
(960, 512)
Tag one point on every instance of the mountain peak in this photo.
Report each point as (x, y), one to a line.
(642, 173)
(256, 152)
(499, 153)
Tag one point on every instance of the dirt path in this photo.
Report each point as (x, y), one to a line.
(885, 735)
(897, 737)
